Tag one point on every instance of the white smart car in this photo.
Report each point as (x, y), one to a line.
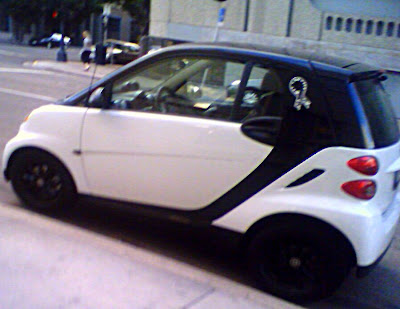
(299, 156)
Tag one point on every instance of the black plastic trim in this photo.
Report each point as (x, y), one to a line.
(306, 178)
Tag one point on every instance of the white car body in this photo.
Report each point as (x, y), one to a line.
(60, 130)
(161, 137)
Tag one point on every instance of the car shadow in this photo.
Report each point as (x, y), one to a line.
(216, 251)
(207, 248)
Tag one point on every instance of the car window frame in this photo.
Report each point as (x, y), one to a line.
(247, 66)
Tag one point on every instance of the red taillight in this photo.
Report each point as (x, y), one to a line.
(362, 189)
(366, 165)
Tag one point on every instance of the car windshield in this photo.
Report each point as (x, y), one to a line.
(379, 111)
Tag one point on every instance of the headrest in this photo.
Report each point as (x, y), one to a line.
(271, 82)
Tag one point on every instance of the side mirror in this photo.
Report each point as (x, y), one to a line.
(100, 98)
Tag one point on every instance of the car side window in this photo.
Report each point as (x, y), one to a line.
(186, 86)
(261, 94)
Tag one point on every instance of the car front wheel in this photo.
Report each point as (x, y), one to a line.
(298, 262)
(41, 181)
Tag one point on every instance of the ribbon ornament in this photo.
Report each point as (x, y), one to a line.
(298, 87)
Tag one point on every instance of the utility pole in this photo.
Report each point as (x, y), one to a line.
(246, 16)
(61, 53)
(106, 15)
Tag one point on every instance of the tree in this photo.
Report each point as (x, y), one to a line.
(65, 13)
(70, 13)
(23, 14)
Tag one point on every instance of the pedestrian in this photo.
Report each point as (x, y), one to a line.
(86, 50)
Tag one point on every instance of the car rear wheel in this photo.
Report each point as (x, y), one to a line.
(298, 262)
(41, 181)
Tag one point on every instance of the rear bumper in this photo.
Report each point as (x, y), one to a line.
(363, 271)
(376, 234)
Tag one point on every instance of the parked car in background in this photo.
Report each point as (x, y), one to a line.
(119, 52)
(50, 41)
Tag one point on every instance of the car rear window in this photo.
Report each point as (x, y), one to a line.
(379, 112)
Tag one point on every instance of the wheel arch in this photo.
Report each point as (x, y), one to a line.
(27, 148)
(293, 218)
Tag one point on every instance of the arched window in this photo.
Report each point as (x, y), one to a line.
(370, 25)
(379, 28)
(349, 24)
(390, 29)
(359, 25)
(339, 23)
(328, 25)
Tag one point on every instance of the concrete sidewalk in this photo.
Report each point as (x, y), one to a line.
(73, 67)
(49, 264)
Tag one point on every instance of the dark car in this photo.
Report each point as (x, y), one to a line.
(50, 41)
(121, 52)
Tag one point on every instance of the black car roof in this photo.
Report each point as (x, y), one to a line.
(322, 62)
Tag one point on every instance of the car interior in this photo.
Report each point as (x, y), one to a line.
(188, 90)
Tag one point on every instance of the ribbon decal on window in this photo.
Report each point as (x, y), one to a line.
(298, 87)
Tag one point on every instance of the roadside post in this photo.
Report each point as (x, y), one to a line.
(101, 51)
(61, 53)
(221, 18)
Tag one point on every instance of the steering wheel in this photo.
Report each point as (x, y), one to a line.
(258, 101)
(251, 96)
(160, 96)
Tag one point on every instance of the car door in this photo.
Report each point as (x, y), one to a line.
(171, 138)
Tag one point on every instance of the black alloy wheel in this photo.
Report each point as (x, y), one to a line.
(297, 262)
(41, 181)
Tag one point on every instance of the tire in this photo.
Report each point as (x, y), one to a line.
(41, 181)
(298, 261)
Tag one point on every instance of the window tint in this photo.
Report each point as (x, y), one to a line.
(392, 88)
(187, 86)
(379, 112)
(260, 97)
(342, 114)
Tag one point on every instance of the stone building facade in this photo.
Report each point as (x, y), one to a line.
(352, 28)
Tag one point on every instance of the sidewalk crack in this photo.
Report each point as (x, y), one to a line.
(198, 299)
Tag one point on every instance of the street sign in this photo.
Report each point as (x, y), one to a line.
(221, 15)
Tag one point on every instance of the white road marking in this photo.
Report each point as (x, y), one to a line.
(9, 53)
(27, 94)
(25, 71)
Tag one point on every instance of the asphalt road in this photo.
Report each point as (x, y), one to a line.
(23, 89)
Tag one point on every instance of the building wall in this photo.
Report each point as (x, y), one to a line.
(269, 17)
(193, 20)
(306, 20)
(159, 17)
(362, 30)
(316, 20)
